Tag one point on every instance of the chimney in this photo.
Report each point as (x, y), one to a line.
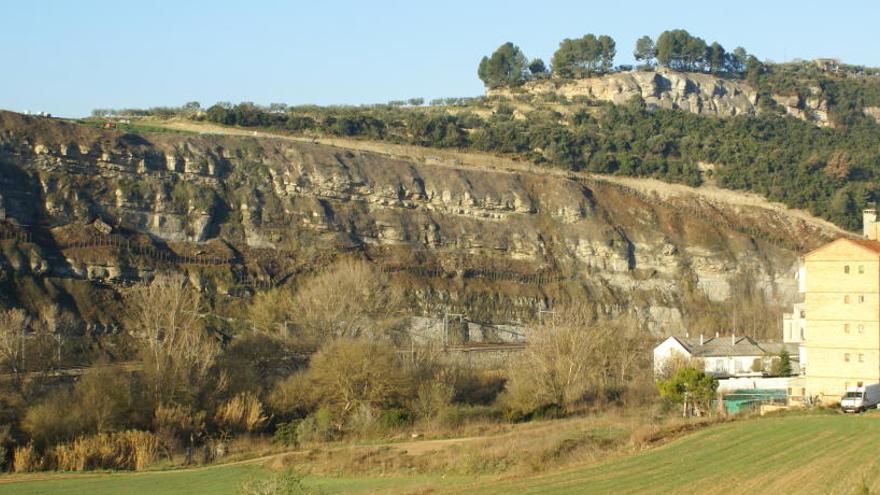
(717, 335)
(701, 338)
(687, 335)
(733, 339)
(869, 224)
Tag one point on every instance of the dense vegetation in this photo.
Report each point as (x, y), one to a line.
(328, 359)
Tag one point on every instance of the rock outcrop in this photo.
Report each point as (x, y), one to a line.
(703, 94)
(502, 244)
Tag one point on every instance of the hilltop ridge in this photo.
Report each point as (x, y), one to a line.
(699, 93)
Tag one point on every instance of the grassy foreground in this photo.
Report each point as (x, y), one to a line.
(797, 453)
(201, 481)
(793, 454)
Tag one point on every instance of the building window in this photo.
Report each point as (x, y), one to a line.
(803, 314)
(846, 327)
(861, 268)
(846, 357)
(861, 299)
(861, 358)
(846, 299)
(845, 268)
(802, 334)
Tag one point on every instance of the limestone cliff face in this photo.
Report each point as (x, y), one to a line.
(503, 243)
(702, 94)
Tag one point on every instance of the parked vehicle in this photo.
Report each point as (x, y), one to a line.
(860, 398)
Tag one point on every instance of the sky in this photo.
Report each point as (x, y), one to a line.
(70, 57)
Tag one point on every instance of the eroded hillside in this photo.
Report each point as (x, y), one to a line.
(240, 213)
(698, 93)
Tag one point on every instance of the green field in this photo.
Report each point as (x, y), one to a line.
(778, 455)
(205, 481)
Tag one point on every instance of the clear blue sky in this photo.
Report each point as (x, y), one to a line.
(68, 57)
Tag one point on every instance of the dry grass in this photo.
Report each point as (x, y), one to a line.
(499, 449)
(242, 413)
(130, 450)
(25, 459)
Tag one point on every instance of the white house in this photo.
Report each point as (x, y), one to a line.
(723, 356)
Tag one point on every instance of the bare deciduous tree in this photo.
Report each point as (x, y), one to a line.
(177, 348)
(350, 299)
(571, 355)
(667, 368)
(13, 324)
(273, 311)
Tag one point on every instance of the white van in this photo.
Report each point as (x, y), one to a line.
(860, 398)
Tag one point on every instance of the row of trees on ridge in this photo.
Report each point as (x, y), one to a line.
(591, 55)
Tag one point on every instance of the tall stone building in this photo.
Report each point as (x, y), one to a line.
(841, 341)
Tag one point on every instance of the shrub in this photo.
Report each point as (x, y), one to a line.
(294, 396)
(324, 421)
(101, 402)
(433, 398)
(284, 483)
(691, 385)
(363, 421)
(175, 422)
(393, 419)
(317, 427)
(286, 433)
(348, 373)
(781, 365)
(103, 395)
(56, 418)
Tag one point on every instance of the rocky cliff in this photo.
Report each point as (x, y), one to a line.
(239, 213)
(702, 94)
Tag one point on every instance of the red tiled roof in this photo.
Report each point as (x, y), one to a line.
(870, 244)
(865, 243)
